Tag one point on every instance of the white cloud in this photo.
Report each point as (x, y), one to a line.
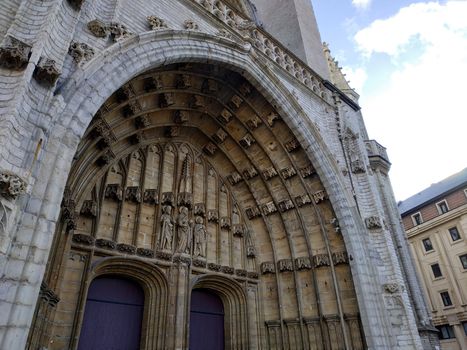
(420, 114)
(361, 4)
(356, 77)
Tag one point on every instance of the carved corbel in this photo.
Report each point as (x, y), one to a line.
(98, 28)
(268, 267)
(156, 23)
(46, 72)
(190, 25)
(89, 208)
(14, 54)
(11, 185)
(373, 222)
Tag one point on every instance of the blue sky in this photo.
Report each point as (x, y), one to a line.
(408, 61)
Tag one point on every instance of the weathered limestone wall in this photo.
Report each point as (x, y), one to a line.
(57, 71)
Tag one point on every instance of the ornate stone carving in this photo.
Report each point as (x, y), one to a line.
(268, 267)
(209, 86)
(250, 173)
(373, 222)
(182, 81)
(285, 265)
(241, 272)
(153, 83)
(11, 185)
(199, 263)
(182, 259)
(250, 251)
(83, 239)
(114, 191)
(190, 25)
(319, 196)
(236, 101)
(106, 243)
(132, 108)
(238, 230)
(106, 158)
(340, 258)
(288, 172)
(286, 205)
(164, 255)
(392, 288)
(133, 194)
(183, 231)
(210, 148)
(68, 212)
(14, 54)
(269, 208)
(168, 198)
(219, 136)
(80, 52)
(172, 131)
(125, 93)
(48, 295)
(167, 228)
(144, 252)
(303, 263)
(200, 237)
(101, 129)
(252, 212)
(46, 71)
(225, 222)
(247, 140)
(225, 34)
(196, 101)
(213, 215)
(225, 116)
(292, 145)
(271, 118)
(321, 260)
(214, 267)
(200, 209)
(142, 121)
(254, 122)
(234, 178)
(98, 28)
(357, 166)
(185, 199)
(166, 100)
(118, 31)
(307, 171)
(126, 248)
(89, 208)
(228, 270)
(303, 200)
(253, 275)
(151, 196)
(269, 173)
(156, 23)
(335, 223)
(245, 89)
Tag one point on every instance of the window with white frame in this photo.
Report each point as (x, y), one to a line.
(446, 298)
(455, 235)
(417, 219)
(427, 245)
(442, 207)
(463, 259)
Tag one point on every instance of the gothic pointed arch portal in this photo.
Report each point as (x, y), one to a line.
(190, 168)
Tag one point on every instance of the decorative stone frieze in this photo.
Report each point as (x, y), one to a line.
(164, 255)
(340, 258)
(225, 34)
(392, 288)
(190, 25)
(14, 54)
(271, 118)
(156, 23)
(268, 267)
(252, 212)
(303, 263)
(286, 205)
(145, 253)
(269, 208)
(236, 101)
(80, 52)
(199, 263)
(247, 140)
(172, 131)
(11, 185)
(303, 200)
(101, 129)
(166, 100)
(285, 265)
(254, 122)
(288, 172)
(185, 199)
(114, 191)
(126, 248)
(168, 198)
(106, 244)
(269, 173)
(238, 230)
(241, 272)
(213, 215)
(321, 260)
(125, 93)
(81, 238)
(228, 270)
(200, 209)
(89, 208)
(250, 173)
(307, 171)
(225, 222)
(210, 148)
(133, 194)
(253, 275)
(151, 196)
(292, 145)
(373, 222)
(319, 196)
(182, 259)
(46, 72)
(220, 136)
(234, 178)
(225, 116)
(214, 267)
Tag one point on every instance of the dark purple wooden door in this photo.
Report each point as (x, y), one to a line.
(206, 321)
(113, 315)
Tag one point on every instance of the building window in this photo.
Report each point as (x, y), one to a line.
(464, 261)
(445, 332)
(427, 245)
(446, 298)
(417, 219)
(454, 232)
(436, 270)
(442, 207)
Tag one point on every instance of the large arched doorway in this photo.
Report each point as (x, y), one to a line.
(206, 321)
(113, 315)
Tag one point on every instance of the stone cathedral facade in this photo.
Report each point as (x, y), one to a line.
(198, 169)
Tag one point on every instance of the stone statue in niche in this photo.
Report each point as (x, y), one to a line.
(200, 238)
(184, 231)
(167, 228)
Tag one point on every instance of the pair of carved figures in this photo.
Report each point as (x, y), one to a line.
(188, 232)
